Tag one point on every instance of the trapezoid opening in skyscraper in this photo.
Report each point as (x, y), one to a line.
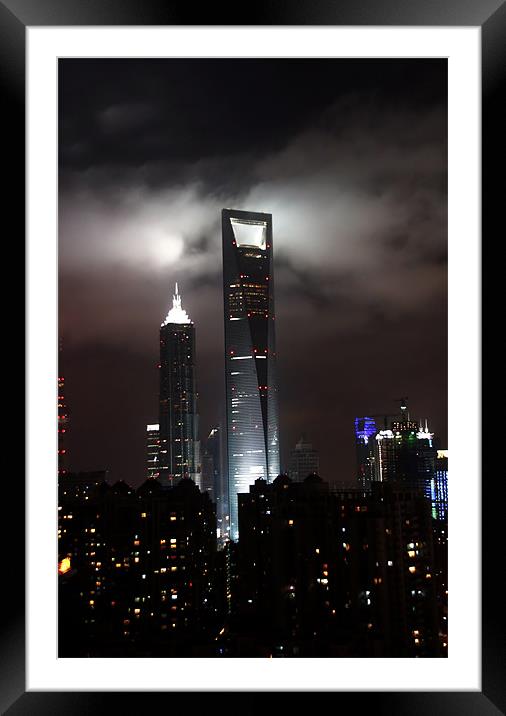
(250, 353)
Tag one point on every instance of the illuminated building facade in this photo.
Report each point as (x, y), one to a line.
(250, 353)
(400, 450)
(365, 430)
(439, 487)
(153, 450)
(406, 453)
(304, 461)
(178, 421)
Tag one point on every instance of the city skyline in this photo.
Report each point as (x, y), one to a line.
(360, 248)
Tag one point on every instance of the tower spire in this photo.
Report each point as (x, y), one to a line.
(176, 314)
(176, 300)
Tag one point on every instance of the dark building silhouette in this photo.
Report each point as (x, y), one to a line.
(138, 570)
(207, 472)
(214, 480)
(335, 573)
(250, 353)
(178, 397)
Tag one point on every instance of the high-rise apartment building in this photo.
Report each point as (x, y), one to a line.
(144, 575)
(178, 397)
(328, 572)
(250, 353)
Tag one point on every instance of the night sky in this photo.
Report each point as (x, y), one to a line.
(349, 156)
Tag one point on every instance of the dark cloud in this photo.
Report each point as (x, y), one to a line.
(350, 159)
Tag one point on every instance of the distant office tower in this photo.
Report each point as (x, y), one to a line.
(214, 449)
(153, 450)
(178, 397)
(405, 452)
(63, 419)
(440, 487)
(365, 430)
(207, 473)
(250, 353)
(304, 461)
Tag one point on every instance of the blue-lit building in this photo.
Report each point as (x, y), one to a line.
(250, 353)
(365, 430)
(405, 453)
(397, 448)
(439, 487)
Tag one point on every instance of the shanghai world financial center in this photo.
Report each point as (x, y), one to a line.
(250, 353)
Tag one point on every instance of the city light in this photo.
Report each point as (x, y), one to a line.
(64, 565)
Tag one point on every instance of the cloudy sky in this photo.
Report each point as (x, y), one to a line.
(349, 156)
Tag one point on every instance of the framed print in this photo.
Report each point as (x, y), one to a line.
(322, 163)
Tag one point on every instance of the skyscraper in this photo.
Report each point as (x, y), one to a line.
(63, 418)
(406, 453)
(439, 488)
(153, 450)
(365, 430)
(304, 461)
(250, 353)
(178, 397)
(220, 482)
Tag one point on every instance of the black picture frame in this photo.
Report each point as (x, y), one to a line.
(490, 15)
